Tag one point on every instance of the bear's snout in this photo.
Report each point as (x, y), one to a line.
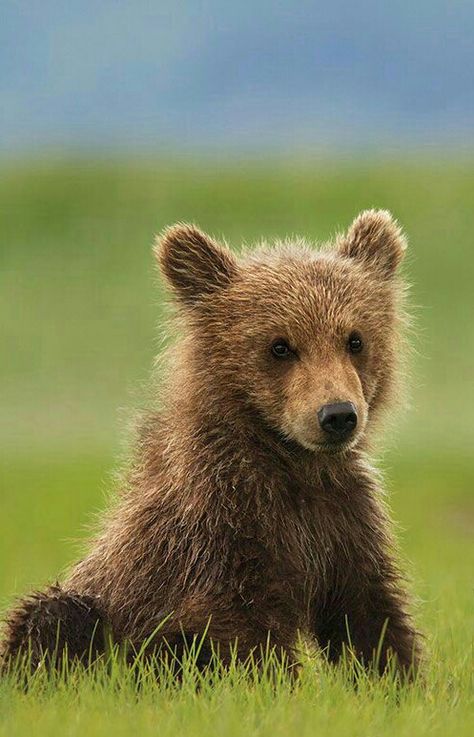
(338, 420)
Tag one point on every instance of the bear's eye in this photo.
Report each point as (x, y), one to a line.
(354, 342)
(281, 349)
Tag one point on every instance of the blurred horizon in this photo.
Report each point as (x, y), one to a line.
(255, 78)
(252, 119)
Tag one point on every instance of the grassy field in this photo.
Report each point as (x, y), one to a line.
(81, 311)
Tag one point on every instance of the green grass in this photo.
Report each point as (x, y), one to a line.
(118, 701)
(80, 311)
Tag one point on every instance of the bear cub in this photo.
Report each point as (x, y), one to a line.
(250, 512)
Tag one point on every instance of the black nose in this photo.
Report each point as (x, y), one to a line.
(338, 420)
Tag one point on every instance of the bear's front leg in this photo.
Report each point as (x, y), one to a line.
(51, 625)
(366, 615)
(227, 635)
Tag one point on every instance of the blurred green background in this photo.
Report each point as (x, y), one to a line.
(81, 310)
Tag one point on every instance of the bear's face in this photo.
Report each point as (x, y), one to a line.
(306, 338)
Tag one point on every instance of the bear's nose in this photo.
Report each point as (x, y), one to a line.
(338, 420)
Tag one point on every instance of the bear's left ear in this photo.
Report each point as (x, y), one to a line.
(376, 240)
(193, 264)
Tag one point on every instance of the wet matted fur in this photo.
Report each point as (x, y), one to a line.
(237, 516)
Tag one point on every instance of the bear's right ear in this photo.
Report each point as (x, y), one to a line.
(376, 240)
(193, 264)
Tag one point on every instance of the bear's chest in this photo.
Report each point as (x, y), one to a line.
(280, 573)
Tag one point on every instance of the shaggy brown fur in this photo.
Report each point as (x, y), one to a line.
(55, 624)
(238, 515)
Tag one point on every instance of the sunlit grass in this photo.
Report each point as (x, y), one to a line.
(147, 698)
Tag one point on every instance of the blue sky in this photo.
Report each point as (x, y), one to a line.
(244, 76)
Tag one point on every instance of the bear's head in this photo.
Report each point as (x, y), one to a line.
(307, 340)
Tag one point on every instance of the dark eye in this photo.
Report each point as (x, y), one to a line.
(281, 349)
(355, 343)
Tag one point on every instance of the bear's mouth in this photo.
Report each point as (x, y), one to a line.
(335, 448)
(326, 447)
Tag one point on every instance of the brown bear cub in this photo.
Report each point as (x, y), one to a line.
(251, 513)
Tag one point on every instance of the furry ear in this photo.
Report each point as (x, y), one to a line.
(375, 239)
(193, 264)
